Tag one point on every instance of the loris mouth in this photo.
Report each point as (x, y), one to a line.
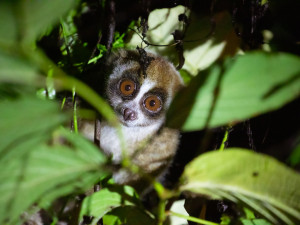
(124, 122)
(130, 123)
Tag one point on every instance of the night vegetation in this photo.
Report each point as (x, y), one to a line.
(239, 154)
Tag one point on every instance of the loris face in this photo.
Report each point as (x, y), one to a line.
(140, 96)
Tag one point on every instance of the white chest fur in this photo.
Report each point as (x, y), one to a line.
(133, 137)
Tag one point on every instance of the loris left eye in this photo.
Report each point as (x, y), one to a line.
(153, 103)
(127, 87)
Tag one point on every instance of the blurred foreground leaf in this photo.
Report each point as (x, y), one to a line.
(243, 176)
(34, 170)
(15, 69)
(37, 15)
(29, 19)
(45, 173)
(23, 118)
(247, 86)
(8, 25)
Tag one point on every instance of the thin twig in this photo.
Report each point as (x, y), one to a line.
(193, 219)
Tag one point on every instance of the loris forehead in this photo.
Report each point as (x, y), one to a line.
(159, 71)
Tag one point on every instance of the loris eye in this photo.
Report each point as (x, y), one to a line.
(127, 87)
(153, 103)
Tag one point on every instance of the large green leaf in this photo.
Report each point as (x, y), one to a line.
(103, 201)
(47, 172)
(27, 19)
(15, 69)
(33, 170)
(8, 25)
(37, 15)
(243, 176)
(23, 118)
(246, 86)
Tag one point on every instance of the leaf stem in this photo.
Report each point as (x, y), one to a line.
(74, 110)
(225, 138)
(161, 212)
(63, 103)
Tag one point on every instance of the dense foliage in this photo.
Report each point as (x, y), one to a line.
(240, 62)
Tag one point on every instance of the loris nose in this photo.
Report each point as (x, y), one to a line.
(129, 114)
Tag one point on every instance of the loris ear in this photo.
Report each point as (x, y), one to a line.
(121, 56)
(116, 58)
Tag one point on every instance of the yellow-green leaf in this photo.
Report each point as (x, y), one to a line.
(243, 176)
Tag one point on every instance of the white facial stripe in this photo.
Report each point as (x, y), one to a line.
(145, 87)
(118, 70)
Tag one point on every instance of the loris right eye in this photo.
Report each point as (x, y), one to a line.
(153, 103)
(127, 87)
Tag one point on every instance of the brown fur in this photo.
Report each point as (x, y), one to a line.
(160, 70)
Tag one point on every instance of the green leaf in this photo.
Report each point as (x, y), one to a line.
(14, 69)
(255, 222)
(35, 171)
(118, 40)
(47, 172)
(225, 220)
(129, 215)
(248, 213)
(103, 201)
(8, 25)
(294, 158)
(65, 82)
(245, 87)
(251, 220)
(243, 176)
(185, 76)
(37, 16)
(25, 117)
(29, 19)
